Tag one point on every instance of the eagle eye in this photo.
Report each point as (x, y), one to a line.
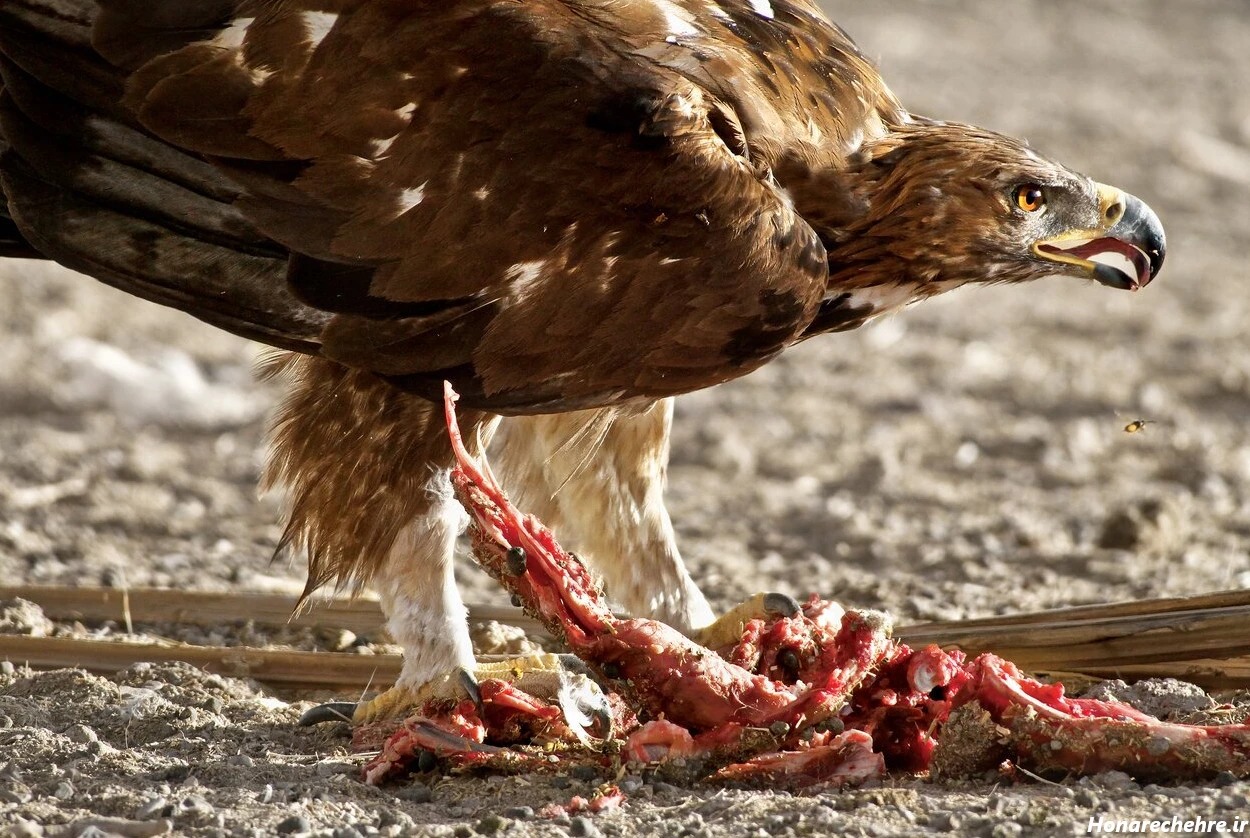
(1030, 197)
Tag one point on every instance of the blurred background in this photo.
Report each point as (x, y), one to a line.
(966, 457)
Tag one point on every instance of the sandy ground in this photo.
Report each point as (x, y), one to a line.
(962, 459)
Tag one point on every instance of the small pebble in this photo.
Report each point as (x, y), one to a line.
(463, 831)
(194, 805)
(7, 668)
(81, 734)
(416, 793)
(266, 794)
(519, 813)
(152, 808)
(583, 827)
(1086, 797)
(394, 817)
(1115, 780)
(560, 781)
(176, 773)
(242, 760)
(977, 823)
(293, 824)
(1224, 778)
(491, 824)
(24, 828)
(630, 784)
(5, 722)
(64, 791)
(347, 832)
(1006, 829)
(583, 772)
(1232, 801)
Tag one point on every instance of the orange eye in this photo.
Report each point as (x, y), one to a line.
(1030, 197)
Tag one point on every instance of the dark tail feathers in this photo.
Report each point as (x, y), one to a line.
(89, 188)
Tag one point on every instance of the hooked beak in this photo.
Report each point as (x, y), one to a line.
(1125, 251)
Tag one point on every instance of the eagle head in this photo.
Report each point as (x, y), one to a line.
(936, 205)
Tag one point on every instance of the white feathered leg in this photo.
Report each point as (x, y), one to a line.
(596, 478)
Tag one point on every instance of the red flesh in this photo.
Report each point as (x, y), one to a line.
(891, 700)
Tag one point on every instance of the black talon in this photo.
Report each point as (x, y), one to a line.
(426, 762)
(781, 605)
(516, 600)
(603, 721)
(515, 557)
(469, 683)
(601, 715)
(333, 711)
(575, 665)
(584, 710)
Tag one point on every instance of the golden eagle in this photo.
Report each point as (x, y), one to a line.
(572, 210)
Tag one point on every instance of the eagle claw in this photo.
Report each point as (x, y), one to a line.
(781, 605)
(331, 711)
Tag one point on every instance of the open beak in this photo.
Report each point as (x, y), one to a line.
(1125, 251)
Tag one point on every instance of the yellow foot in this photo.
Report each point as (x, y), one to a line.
(559, 679)
(727, 630)
(395, 703)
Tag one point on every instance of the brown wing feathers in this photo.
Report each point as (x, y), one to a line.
(519, 219)
(553, 204)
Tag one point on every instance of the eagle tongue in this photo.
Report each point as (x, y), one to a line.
(1117, 255)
